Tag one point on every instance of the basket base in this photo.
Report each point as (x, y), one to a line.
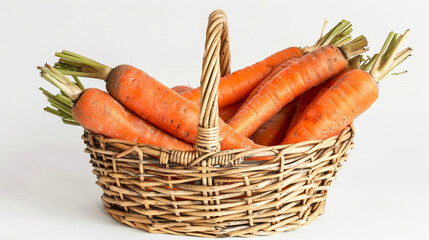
(225, 229)
(246, 199)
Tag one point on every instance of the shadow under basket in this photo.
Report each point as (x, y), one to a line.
(211, 193)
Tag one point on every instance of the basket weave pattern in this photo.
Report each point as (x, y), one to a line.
(213, 193)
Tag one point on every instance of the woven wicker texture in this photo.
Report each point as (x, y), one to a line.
(213, 193)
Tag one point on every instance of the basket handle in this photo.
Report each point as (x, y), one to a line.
(216, 63)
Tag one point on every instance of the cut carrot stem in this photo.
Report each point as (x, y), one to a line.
(63, 99)
(355, 47)
(389, 56)
(69, 88)
(70, 122)
(73, 64)
(78, 83)
(54, 111)
(46, 93)
(368, 63)
(61, 106)
(336, 35)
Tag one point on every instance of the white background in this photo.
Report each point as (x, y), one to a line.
(47, 190)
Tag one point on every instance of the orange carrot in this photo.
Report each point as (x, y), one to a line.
(150, 100)
(309, 71)
(99, 112)
(237, 85)
(273, 131)
(181, 88)
(307, 97)
(268, 78)
(228, 111)
(349, 95)
(224, 112)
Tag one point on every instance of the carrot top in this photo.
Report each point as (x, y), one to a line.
(338, 35)
(389, 57)
(61, 104)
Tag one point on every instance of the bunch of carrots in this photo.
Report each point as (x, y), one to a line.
(294, 95)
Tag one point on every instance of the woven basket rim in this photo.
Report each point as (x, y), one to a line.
(238, 156)
(264, 148)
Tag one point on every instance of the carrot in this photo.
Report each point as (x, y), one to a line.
(228, 111)
(181, 88)
(224, 112)
(307, 97)
(309, 71)
(268, 78)
(273, 131)
(237, 85)
(149, 99)
(97, 111)
(349, 95)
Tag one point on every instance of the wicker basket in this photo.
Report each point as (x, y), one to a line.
(213, 193)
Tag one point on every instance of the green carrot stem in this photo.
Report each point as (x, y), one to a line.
(68, 118)
(334, 33)
(64, 108)
(343, 37)
(68, 87)
(72, 66)
(343, 41)
(389, 56)
(70, 122)
(64, 100)
(392, 52)
(78, 59)
(366, 66)
(54, 111)
(355, 63)
(79, 83)
(398, 60)
(77, 65)
(46, 93)
(390, 47)
(79, 74)
(337, 34)
(83, 58)
(355, 46)
(58, 103)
